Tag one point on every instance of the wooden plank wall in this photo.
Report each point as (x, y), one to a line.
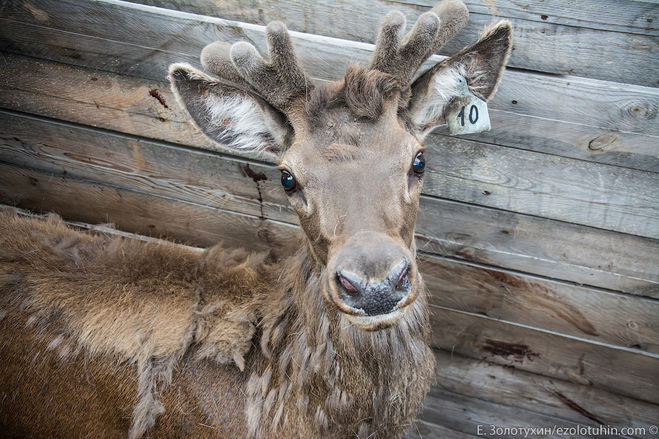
(539, 239)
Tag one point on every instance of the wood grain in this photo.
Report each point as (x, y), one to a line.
(554, 37)
(524, 243)
(615, 119)
(562, 400)
(427, 430)
(603, 196)
(477, 417)
(540, 246)
(175, 220)
(605, 317)
(144, 166)
(124, 103)
(622, 371)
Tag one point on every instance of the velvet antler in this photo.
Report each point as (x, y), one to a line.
(402, 57)
(279, 81)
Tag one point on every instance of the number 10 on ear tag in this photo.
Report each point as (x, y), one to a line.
(467, 114)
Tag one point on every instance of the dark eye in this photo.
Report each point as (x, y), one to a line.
(419, 164)
(288, 181)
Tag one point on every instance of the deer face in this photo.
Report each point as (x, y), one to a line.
(351, 155)
(355, 184)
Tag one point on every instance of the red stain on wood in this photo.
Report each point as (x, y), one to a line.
(156, 94)
(574, 406)
(504, 349)
(257, 177)
(507, 279)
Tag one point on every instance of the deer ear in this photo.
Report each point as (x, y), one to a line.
(228, 114)
(473, 73)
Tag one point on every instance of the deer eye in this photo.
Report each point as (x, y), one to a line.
(419, 164)
(288, 181)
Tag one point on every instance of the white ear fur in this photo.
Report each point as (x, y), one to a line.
(227, 114)
(245, 123)
(429, 111)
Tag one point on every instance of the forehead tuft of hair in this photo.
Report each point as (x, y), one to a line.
(362, 91)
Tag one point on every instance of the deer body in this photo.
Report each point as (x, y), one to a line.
(330, 342)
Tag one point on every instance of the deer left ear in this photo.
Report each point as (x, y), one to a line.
(473, 73)
(228, 113)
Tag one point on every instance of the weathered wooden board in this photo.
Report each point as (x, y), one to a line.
(611, 318)
(478, 417)
(427, 430)
(619, 370)
(529, 244)
(145, 166)
(557, 37)
(143, 41)
(552, 397)
(136, 212)
(98, 99)
(127, 104)
(532, 349)
(633, 16)
(603, 196)
(535, 245)
(629, 16)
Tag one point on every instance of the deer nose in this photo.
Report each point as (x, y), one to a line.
(374, 296)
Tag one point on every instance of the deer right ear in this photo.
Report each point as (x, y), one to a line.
(470, 75)
(228, 114)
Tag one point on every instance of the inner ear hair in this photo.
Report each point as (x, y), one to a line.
(228, 114)
(482, 63)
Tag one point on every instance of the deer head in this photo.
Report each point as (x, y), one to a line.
(351, 152)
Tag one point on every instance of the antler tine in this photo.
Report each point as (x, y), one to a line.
(402, 58)
(454, 16)
(386, 46)
(430, 32)
(216, 59)
(279, 81)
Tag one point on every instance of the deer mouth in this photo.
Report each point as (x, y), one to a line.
(376, 323)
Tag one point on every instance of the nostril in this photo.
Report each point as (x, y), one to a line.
(345, 283)
(403, 275)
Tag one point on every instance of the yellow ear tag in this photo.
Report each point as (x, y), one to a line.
(467, 113)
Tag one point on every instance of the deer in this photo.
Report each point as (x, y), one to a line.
(105, 336)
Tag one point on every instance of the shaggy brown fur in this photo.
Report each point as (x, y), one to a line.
(362, 91)
(104, 337)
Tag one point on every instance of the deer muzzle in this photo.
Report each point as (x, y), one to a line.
(373, 280)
